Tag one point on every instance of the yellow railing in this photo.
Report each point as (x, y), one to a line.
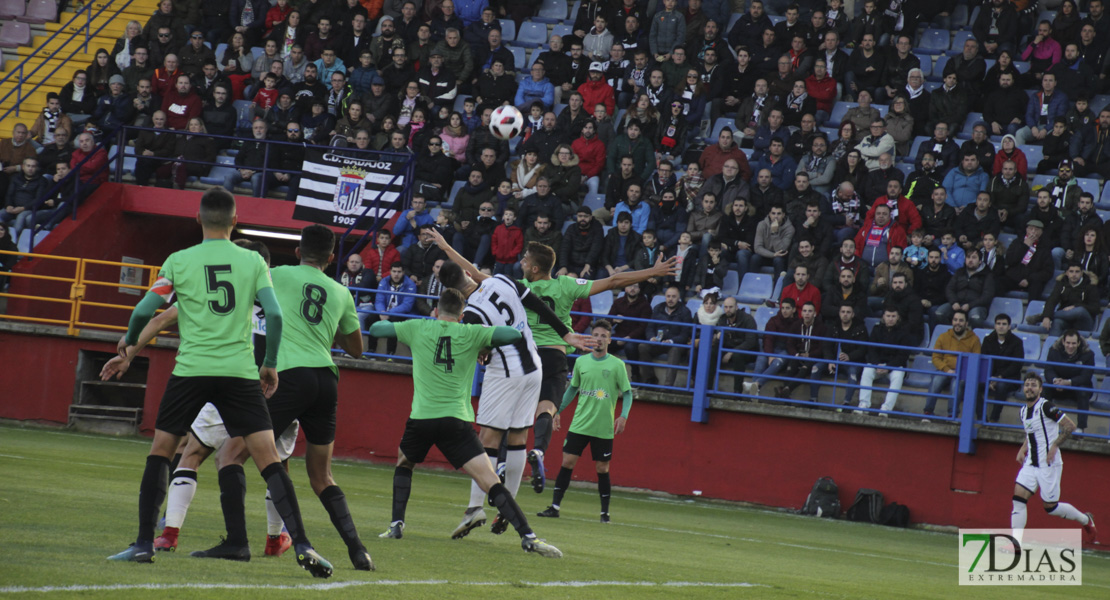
(79, 283)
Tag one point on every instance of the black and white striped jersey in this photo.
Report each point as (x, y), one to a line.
(497, 302)
(1042, 426)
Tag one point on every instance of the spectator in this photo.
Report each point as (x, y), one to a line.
(564, 174)
(878, 236)
(1029, 261)
(581, 251)
(801, 290)
(507, 244)
(876, 144)
(631, 143)
(738, 340)
(1071, 365)
(885, 271)
(77, 98)
(865, 65)
(687, 256)
(140, 68)
(395, 301)
(638, 211)
(851, 332)
(845, 291)
(1042, 109)
(780, 164)
(195, 54)
(970, 291)
(774, 346)
(475, 235)
(949, 103)
(181, 104)
(981, 146)
(809, 346)
(668, 31)
(1042, 51)
(900, 60)
(957, 339)
(355, 275)
(637, 306)
(672, 338)
(590, 151)
(817, 164)
(997, 28)
(812, 227)
(1010, 351)
(537, 88)
(705, 223)
(885, 361)
(196, 153)
(57, 152)
(931, 282)
(24, 191)
(51, 118)
(1004, 108)
(622, 244)
(774, 129)
(407, 226)
(1009, 194)
(419, 258)
(1073, 304)
(125, 45)
(379, 257)
(94, 170)
(973, 223)
(737, 233)
(152, 149)
(773, 238)
(909, 305)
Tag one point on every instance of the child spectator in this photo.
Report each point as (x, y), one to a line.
(507, 244)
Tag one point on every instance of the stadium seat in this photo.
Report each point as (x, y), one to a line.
(1009, 306)
(959, 18)
(1102, 201)
(718, 125)
(14, 34)
(574, 10)
(869, 323)
(559, 108)
(961, 36)
(217, 174)
(562, 30)
(1101, 400)
(932, 86)
(731, 285)
(455, 187)
(1033, 155)
(1031, 344)
(508, 30)
(1005, 239)
(657, 299)
(1099, 102)
(594, 201)
(933, 41)
(1035, 307)
(23, 244)
(777, 292)
(41, 11)
(937, 330)
(592, 183)
(732, 21)
(982, 333)
(905, 168)
(969, 125)
(518, 57)
(1022, 66)
(764, 314)
(601, 303)
(923, 362)
(838, 112)
(531, 35)
(693, 304)
(459, 100)
(1046, 346)
(551, 11)
(776, 19)
(755, 288)
(11, 9)
(1090, 185)
(917, 141)
(927, 69)
(938, 69)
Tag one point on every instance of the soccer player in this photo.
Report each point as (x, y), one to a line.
(511, 387)
(1046, 428)
(444, 355)
(216, 283)
(560, 293)
(597, 381)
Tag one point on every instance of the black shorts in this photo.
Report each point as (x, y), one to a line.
(309, 395)
(601, 449)
(554, 365)
(239, 401)
(455, 438)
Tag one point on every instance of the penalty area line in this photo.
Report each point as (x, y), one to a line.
(338, 585)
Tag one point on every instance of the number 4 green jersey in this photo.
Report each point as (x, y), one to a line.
(559, 293)
(600, 384)
(444, 354)
(216, 283)
(314, 307)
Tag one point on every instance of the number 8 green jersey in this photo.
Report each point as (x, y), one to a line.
(216, 283)
(444, 355)
(559, 294)
(314, 307)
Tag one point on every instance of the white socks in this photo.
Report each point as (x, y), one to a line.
(274, 524)
(514, 469)
(182, 489)
(1069, 512)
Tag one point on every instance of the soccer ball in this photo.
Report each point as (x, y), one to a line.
(506, 122)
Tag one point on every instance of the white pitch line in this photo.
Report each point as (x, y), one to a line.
(13, 456)
(384, 582)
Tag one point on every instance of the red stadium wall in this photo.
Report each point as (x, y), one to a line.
(764, 459)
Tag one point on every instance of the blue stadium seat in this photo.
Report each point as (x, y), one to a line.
(961, 36)
(518, 57)
(969, 126)
(1046, 346)
(732, 21)
(562, 30)
(592, 183)
(1009, 306)
(838, 112)
(1101, 400)
(938, 69)
(657, 299)
(959, 18)
(920, 380)
(917, 141)
(1022, 66)
(1102, 201)
(764, 314)
(1099, 102)
(905, 168)
(1031, 343)
(755, 288)
(1033, 155)
(601, 303)
(531, 35)
(594, 201)
(939, 329)
(1035, 307)
(869, 323)
(459, 100)
(455, 187)
(732, 284)
(982, 333)
(574, 10)
(508, 30)
(1006, 239)
(1089, 185)
(933, 41)
(776, 19)
(927, 68)
(777, 292)
(932, 86)
(693, 304)
(718, 125)
(217, 174)
(552, 11)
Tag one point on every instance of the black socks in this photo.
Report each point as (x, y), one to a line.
(152, 493)
(402, 487)
(562, 482)
(604, 489)
(285, 500)
(543, 432)
(233, 491)
(336, 504)
(507, 506)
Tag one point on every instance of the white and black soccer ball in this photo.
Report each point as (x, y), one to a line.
(506, 122)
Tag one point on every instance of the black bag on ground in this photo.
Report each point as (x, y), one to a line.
(866, 507)
(823, 500)
(894, 515)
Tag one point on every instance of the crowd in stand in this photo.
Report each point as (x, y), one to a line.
(621, 106)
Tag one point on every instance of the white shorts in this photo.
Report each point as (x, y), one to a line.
(209, 429)
(1045, 478)
(509, 402)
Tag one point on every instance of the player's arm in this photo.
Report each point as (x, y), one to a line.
(503, 336)
(383, 329)
(268, 299)
(1024, 449)
(141, 316)
(618, 281)
(1067, 426)
(457, 258)
(118, 365)
(626, 406)
(568, 398)
(351, 343)
(547, 316)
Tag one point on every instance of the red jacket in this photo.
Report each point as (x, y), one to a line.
(179, 109)
(507, 243)
(823, 91)
(99, 159)
(598, 92)
(581, 323)
(897, 237)
(906, 218)
(276, 13)
(591, 155)
(713, 159)
(375, 263)
(162, 81)
(809, 293)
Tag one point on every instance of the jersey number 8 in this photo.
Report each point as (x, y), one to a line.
(312, 308)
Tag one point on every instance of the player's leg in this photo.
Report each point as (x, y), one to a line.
(232, 480)
(602, 451)
(318, 463)
(554, 367)
(515, 456)
(183, 487)
(277, 538)
(1024, 488)
(475, 515)
(573, 446)
(480, 470)
(418, 438)
(1049, 481)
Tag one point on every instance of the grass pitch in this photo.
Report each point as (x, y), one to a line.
(69, 500)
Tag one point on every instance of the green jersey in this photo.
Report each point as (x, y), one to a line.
(444, 354)
(216, 283)
(559, 293)
(314, 307)
(600, 384)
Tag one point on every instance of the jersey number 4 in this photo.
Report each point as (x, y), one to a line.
(225, 303)
(312, 307)
(443, 354)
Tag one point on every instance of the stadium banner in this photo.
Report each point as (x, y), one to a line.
(335, 188)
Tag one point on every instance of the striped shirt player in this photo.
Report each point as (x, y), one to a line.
(1046, 428)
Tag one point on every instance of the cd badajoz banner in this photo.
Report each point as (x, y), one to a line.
(335, 189)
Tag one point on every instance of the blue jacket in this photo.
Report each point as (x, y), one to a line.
(782, 172)
(112, 113)
(952, 257)
(1057, 107)
(963, 188)
(360, 80)
(763, 137)
(641, 217)
(531, 90)
(670, 225)
(402, 227)
(402, 304)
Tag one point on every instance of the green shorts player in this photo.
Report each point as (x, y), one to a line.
(598, 381)
(216, 283)
(444, 355)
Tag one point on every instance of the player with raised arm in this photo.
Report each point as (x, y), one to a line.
(444, 355)
(511, 387)
(216, 283)
(1046, 428)
(598, 381)
(559, 294)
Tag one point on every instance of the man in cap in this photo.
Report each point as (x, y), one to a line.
(596, 90)
(436, 81)
(114, 109)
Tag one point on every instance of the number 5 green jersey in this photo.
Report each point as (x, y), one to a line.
(559, 294)
(444, 355)
(216, 283)
(314, 307)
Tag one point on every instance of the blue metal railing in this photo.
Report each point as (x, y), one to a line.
(85, 10)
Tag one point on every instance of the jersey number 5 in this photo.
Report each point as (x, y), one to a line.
(502, 308)
(312, 308)
(443, 354)
(226, 303)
